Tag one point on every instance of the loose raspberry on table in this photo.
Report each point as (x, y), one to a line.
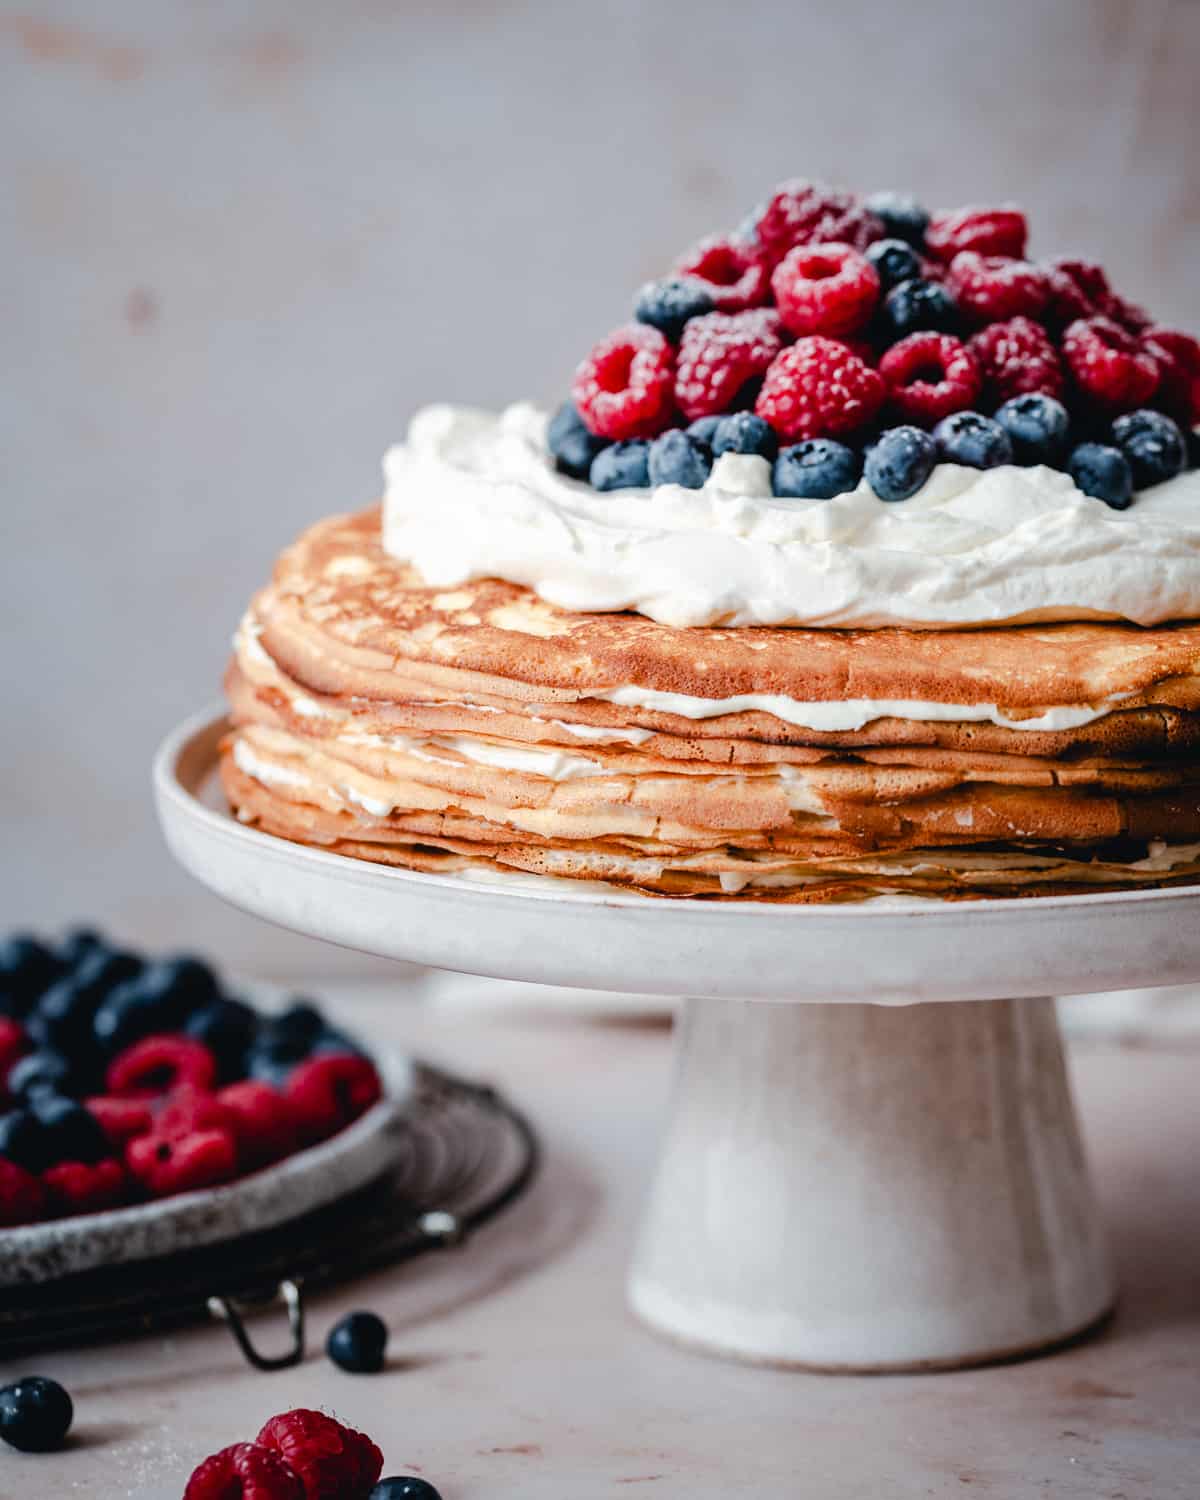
(819, 388)
(991, 288)
(77, 1187)
(22, 1196)
(1016, 359)
(265, 1122)
(330, 1091)
(929, 376)
(332, 1461)
(120, 1119)
(158, 1064)
(826, 288)
(245, 1471)
(1108, 365)
(719, 354)
(728, 271)
(804, 213)
(165, 1165)
(1178, 359)
(623, 388)
(989, 231)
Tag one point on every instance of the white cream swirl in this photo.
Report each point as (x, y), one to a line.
(472, 495)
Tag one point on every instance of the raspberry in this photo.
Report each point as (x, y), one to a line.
(991, 288)
(333, 1462)
(179, 1164)
(930, 376)
(623, 388)
(22, 1196)
(990, 231)
(120, 1119)
(728, 272)
(719, 353)
(13, 1044)
(806, 213)
(1016, 359)
(1178, 359)
(827, 288)
(1107, 364)
(265, 1123)
(246, 1471)
(1080, 289)
(328, 1092)
(186, 1109)
(76, 1187)
(819, 388)
(157, 1064)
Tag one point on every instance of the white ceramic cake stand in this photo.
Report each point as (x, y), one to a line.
(854, 1176)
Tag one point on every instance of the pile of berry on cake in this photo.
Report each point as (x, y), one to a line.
(840, 338)
(124, 1079)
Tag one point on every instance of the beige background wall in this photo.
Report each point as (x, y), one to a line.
(241, 242)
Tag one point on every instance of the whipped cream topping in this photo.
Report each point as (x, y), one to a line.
(471, 495)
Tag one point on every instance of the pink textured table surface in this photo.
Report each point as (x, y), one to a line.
(517, 1372)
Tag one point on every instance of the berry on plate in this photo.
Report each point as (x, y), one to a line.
(623, 388)
(244, 1471)
(570, 443)
(805, 213)
(77, 1187)
(973, 440)
(901, 215)
(825, 288)
(263, 1121)
(817, 469)
(14, 1043)
(358, 1343)
(35, 1414)
(165, 1165)
(990, 231)
(158, 1064)
(329, 1092)
(120, 1119)
(22, 1195)
(1102, 472)
(728, 273)
(991, 288)
(69, 1131)
(27, 968)
(743, 432)
(914, 306)
(1108, 365)
(1037, 427)
(1016, 358)
(43, 1071)
(893, 261)
(719, 354)
(819, 388)
(622, 466)
(668, 304)
(900, 462)
(679, 458)
(928, 376)
(333, 1462)
(1153, 444)
(1178, 359)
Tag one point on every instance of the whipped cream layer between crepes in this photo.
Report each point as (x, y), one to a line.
(471, 494)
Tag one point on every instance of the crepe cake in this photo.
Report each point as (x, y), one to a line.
(667, 645)
(484, 730)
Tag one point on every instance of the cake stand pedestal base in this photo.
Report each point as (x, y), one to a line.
(871, 1187)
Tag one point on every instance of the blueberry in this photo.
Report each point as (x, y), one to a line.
(27, 968)
(668, 304)
(22, 1140)
(64, 1015)
(227, 1028)
(1102, 472)
(188, 984)
(35, 1414)
(43, 1071)
(743, 432)
(78, 944)
(901, 216)
(331, 1040)
(914, 305)
(404, 1487)
(572, 445)
(622, 466)
(357, 1343)
(1153, 444)
(678, 458)
(161, 997)
(900, 462)
(817, 469)
(894, 262)
(1037, 426)
(971, 439)
(69, 1132)
(704, 429)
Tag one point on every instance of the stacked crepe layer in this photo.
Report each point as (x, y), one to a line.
(483, 732)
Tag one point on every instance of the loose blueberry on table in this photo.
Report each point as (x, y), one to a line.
(35, 1414)
(124, 1079)
(825, 319)
(358, 1343)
